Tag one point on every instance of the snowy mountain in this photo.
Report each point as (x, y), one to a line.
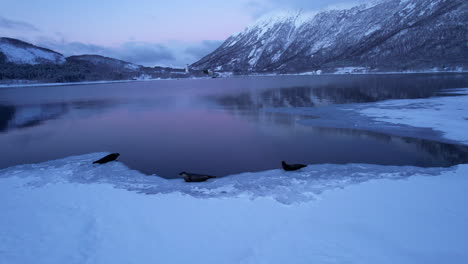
(102, 61)
(22, 61)
(386, 35)
(20, 52)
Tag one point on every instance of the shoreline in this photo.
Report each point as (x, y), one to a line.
(223, 77)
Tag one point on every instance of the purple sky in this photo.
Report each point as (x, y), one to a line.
(148, 32)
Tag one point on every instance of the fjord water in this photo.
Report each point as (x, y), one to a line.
(214, 126)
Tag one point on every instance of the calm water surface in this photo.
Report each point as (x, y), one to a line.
(214, 126)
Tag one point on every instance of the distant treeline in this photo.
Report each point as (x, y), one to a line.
(79, 71)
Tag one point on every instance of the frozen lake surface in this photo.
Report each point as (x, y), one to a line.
(219, 126)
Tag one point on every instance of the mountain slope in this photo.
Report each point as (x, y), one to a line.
(102, 61)
(24, 62)
(389, 35)
(20, 52)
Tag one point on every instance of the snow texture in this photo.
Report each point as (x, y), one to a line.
(29, 55)
(388, 35)
(70, 211)
(448, 114)
(284, 187)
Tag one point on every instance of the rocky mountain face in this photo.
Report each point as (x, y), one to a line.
(388, 35)
(20, 52)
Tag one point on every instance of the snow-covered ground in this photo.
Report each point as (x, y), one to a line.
(446, 114)
(71, 211)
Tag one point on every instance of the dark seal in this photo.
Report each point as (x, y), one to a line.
(108, 158)
(192, 177)
(292, 167)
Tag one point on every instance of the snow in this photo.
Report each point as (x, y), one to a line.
(22, 55)
(268, 21)
(276, 57)
(232, 42)
(143, 77)
(283, 187)
(131, 66)
(373, 29)
(409, 7)
(254, 56)
(446, 114)
(344, 70)
(318, 72)
(297, 17)
(321, 44)
(304, 17)
(70, 211)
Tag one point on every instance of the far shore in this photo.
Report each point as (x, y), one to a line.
(40, 84)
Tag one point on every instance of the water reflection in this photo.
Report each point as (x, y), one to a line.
(442, 153)
(28, 116)
(306, 96)
(213, 126)
(6, 114)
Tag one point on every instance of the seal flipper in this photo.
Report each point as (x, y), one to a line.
(108, 158)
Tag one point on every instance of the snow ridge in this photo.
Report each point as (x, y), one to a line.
(20, 52)
(284, 187)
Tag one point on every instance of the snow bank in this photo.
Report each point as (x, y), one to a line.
(284, 187)
(69, 211)
(446, 114)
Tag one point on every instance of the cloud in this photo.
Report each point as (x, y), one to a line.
(261, 7)
(136, 52)
(16, 25)
(144, 53)
(173, 54)
(203, 48)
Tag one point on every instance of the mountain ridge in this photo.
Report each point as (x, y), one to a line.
(21, 52)
(20, 60)
(387, 35)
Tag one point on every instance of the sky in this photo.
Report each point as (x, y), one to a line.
(147, 32)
